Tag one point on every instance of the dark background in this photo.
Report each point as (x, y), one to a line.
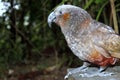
(29, 49)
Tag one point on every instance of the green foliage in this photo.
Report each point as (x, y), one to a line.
(88, 4)
(101, 9)
(100, 1)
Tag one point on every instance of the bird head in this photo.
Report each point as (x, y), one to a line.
(68, 16)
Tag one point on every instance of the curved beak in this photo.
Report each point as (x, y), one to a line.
(51, 18)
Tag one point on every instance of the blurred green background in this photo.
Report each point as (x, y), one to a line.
(29, 49)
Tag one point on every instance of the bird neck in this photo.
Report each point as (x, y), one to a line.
(70, 31)
(76, 29)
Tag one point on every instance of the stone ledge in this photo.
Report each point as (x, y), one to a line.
(115, 76)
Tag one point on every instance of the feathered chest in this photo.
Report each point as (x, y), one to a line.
(81, 46)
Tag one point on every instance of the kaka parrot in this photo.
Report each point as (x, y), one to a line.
(90, 40)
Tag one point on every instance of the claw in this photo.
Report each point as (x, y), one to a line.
(80, 69)
(68, 74)
(106, 74)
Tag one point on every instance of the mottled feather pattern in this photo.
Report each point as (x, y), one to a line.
(90, 40)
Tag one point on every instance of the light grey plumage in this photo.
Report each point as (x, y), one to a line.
(91, 41)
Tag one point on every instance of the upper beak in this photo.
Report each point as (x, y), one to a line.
(51, 18)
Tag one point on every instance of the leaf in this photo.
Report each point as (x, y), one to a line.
(88, 4)
(99, 1)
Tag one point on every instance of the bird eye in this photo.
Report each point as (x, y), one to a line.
(60, 12)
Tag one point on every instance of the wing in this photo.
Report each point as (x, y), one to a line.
(106, 41)
(111, 43)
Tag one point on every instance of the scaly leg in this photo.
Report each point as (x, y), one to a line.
(76, 70)
(101, 72)
(102, 68)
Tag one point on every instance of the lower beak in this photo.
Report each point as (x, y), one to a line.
(51, 18)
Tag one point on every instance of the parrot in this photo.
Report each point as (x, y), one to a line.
(91, 41)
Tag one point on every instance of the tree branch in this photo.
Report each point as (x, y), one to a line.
(114, 16)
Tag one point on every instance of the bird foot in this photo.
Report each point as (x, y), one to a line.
(80, 69)
(105, 74)
(96, 74)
